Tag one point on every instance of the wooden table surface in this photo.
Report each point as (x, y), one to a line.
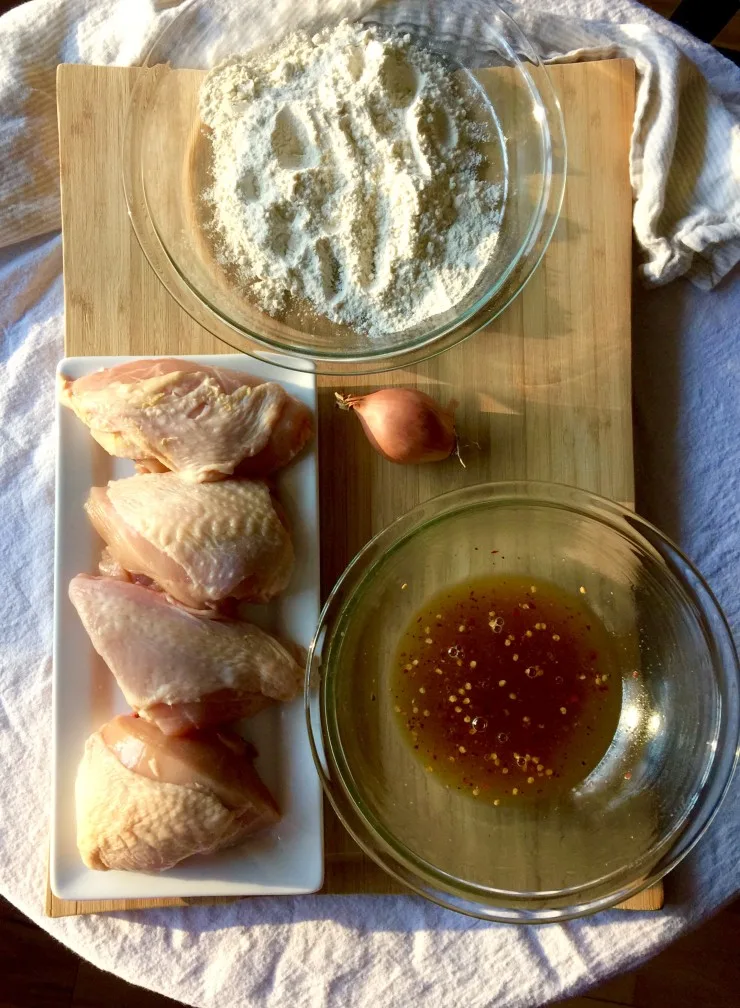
(544, 392)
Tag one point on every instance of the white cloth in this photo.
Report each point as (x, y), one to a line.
(367, 951)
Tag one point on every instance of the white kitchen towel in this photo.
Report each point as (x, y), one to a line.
(685, 153)
(355, 952)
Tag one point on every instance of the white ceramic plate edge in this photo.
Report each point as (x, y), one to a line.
(286, 860)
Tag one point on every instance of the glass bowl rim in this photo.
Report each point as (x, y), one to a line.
(669, 849)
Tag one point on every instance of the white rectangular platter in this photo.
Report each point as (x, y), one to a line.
(286, 859)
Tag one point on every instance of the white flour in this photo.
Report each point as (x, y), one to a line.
(345, 172)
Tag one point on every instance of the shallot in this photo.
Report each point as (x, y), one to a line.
(404, 425)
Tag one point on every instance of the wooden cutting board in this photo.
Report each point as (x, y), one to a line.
(544, 392)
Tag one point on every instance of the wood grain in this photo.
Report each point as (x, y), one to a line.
(543, 393)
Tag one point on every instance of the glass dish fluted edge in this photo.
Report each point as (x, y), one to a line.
(422, 878)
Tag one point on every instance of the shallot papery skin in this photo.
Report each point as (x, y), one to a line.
(404, 425)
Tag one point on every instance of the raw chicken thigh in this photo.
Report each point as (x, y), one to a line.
(200, 542)
(202, 422)
(146, 801)
(182, 671)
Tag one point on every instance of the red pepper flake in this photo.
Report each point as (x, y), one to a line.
(464, 711)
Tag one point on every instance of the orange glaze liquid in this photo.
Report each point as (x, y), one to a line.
(507, 688)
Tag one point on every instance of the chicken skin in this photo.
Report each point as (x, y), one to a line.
(145, 802)
(203, 422)
(200, 542)
(181, 671)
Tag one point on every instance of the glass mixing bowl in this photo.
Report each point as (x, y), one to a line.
(659, 783)
(167, 163)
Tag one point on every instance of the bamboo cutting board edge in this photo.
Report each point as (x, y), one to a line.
(115, 304)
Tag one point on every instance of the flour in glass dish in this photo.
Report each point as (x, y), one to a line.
(346, 172)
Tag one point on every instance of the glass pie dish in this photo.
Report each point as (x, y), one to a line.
(167, 163)
(664, 773)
